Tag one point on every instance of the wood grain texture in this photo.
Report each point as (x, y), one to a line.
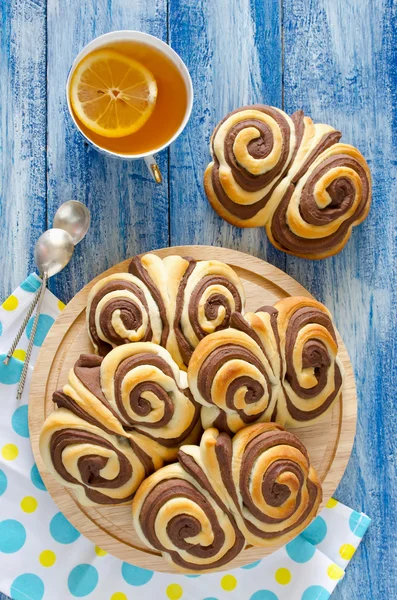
(129, 212)
(233, 51)
(22, 137)
(329, 440)
(340, 67)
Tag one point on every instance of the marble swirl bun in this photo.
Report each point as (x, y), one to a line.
(100, 467)
(234, 378)
(207, 294)
(279, 364)
(135, 388)
(173, 302)
(290, 175)
(256, 488)
(121, 309)
(312, 375)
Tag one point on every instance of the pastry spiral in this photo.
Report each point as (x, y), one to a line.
(290, 175)
(208, 293)
(136, 387)
(278, 493)
(100, 467)
(251, 148)
(231, 376)
(256, 488)
(312, 371)
(148, 393)
(121, 309)
(279, 364)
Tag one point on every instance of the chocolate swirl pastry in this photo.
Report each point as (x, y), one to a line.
(174, 302)
(121, 309)
(279, 364)
(100, 467)
(257, 488)
(207, 294)
(117, 420)
(312, 374)
(232, 377)
(148, 393)
(290, 175)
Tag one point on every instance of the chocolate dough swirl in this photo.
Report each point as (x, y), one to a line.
(121, 309)
(312, 374)
(101, 467)
(118, 419)
(231, 376)
(256, 488)
(290, 175)
(279, 364)
(208, 293)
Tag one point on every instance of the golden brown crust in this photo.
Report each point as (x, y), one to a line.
(256, 488)
(291, 176)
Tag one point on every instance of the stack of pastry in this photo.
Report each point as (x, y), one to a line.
(173, 344)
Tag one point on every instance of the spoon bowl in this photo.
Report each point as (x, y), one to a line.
(74, 217)
(53, 251)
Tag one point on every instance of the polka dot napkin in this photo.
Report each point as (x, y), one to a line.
(42, 556)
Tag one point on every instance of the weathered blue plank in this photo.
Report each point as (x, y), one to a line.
(340, 67)
(233, 52)
(130, 214)
(22, 137)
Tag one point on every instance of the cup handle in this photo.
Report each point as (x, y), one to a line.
(153, 168)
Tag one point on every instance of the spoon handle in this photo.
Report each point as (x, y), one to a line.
(22, 327)
(31, 341)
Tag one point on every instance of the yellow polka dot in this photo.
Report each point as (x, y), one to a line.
(9, 452)
(19, 354)
(99, 551)
(47, 558)
(119, 596)
(335, 572)
(174, 591)
(283, 576)
(228, 583)
(331, 503)
(346, 551)
(29, 504)
(11, 303)
(61, 305)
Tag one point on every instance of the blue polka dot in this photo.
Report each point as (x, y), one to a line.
(12, 536)
(36, 479)
(62, 531)
(19, 421)
(82, 580)
(315, 592)
(10, 374)
(43, 327)
(31, 284)
(252, 565)
(135, 575)
(264, 595)
(192, 576)
(300, 550)
(27, 586)
(3, 482)
(316, 531)
(1, 327)
(359, 523)
(211, 598)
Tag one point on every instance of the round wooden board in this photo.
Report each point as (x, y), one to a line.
(329, 441)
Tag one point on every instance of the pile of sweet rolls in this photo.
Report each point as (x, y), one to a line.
(182, 409)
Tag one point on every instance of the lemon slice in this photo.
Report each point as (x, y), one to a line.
(113, 95)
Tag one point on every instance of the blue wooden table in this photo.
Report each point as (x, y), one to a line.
(336, 59)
